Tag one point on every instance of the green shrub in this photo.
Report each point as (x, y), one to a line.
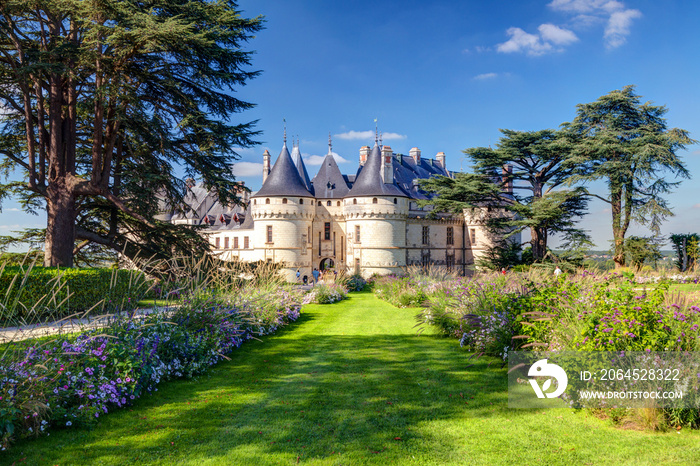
(41, 293)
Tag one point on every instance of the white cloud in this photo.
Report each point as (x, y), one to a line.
(485, 76)
(696, 206)
(521, 41)
(390, 136)
(355, 135)
(582, 14)
(586, 6)
(13, 209)
(367, 135)
(247, 169)
(618, 27)
(556, 35)
(318, 159)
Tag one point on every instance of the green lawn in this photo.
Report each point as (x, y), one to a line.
(350, 383)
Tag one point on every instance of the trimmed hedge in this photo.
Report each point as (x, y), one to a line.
(55, 293)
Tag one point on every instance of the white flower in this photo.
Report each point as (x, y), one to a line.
(69, 423)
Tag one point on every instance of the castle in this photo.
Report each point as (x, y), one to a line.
(365, 223)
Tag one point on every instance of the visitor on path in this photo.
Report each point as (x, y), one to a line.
(503, 270)
(557, 271)
(298, 275)
(315, 274)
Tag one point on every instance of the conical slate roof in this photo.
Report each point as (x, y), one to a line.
(329, 182)
(284, 179)
(301, 168)
(369, 180)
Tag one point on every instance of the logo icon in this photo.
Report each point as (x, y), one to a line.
(543, 369)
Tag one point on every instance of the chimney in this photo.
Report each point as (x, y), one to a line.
(440, 157)
(364, 153)
(387, 165)
(507, 178)
(244, 194)
(415, 154)
(266, 165)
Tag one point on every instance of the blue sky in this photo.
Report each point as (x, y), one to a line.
(444, 76)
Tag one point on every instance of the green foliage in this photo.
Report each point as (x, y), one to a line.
(641, 250)
(401, 292)
(502, 255)
(687, 250)
(356, 283)
(327, 293)
(529, 194)
(32, 294)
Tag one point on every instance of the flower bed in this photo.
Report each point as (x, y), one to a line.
(494, 315)
(72, 381)
(326, 294)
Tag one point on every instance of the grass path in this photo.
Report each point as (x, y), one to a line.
(350, 383)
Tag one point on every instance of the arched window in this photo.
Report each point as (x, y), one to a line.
(255, 202)
(354, 201)
(338, 204)
(374, 200)
(328, 203)
(396, 201)
(319, 203)
(267, 201)
(301, 201)
(284, 200)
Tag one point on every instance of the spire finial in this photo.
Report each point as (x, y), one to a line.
(376, 131)
(284, 121)
(380, 139)
(330, 143)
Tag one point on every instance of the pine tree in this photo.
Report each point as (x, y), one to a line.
(104, 101)
(525, 175)
(627, 144)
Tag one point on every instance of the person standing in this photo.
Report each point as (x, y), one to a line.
(557, 272)
(298, 275)
(315, 274)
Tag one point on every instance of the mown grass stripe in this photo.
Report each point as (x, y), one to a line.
(350, 383)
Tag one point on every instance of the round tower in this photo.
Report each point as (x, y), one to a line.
(283, 212)
(375, 212)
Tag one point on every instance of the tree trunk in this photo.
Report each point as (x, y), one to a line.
(60, 226)
(538, 243)
(617, 226)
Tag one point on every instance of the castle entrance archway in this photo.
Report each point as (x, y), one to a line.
(326, 264)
